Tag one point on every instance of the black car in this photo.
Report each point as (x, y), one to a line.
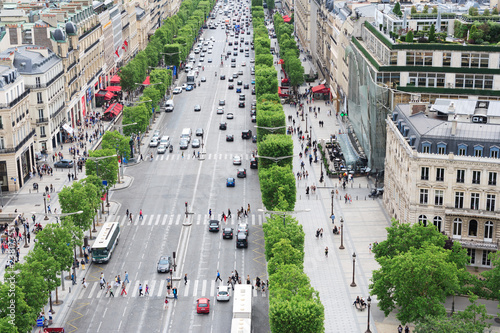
(241, 104)
(241, 173)
(235, 53)
(230, 79)
(222, 77)
(254, 119)
(231, 86)
(254, 139)
(64, 163)
(246, 134)
(227, 233)
(253, 91)
(230, 138)
(254, 164)
(213, 225)
(223, 126)
(233, 59)
(246, 86)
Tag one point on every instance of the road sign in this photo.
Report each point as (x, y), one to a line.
(105, 182)
(39, 322)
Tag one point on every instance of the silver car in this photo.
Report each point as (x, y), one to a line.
(195, 143)
(164, 264)
(237, 160)
(184, 144)
(161, 149)
(153, 142)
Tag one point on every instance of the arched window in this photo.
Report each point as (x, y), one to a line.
(422, 219)
(473, 228)
(438, 222)
(488, 231)
(457, 228)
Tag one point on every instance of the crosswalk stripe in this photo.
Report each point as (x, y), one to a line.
(164, 220)
(171, 220)
(157, 157)
(212, 288)
(136, 219)
(209, 156)
(177, 220)
(92, 290)
(253, 219)
(160, 289)
(198, 219)
(220, 156)
(225, 156)
(204, 288)
(260, 219)
(152, 287)
(158, 220)
(186, 290)
(134, 291)
(100, 292)
(150, 220)
(166, 158)
(143, 219)
(195, 288)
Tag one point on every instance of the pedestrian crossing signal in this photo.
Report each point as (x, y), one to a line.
(343, 114)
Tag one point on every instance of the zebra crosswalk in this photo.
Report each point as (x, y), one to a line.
(158, 289)
(208, 156)
(196, 219)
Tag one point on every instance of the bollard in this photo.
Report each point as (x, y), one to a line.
(69, 290)
(367, 185)
(352, 185)
(359, 185)
(356, 197)
(365, 197)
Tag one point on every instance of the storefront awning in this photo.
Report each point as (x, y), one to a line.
(115, 79)
(287, 20)
(281, 62)
(146, 82)
(114, 109)
(114, 88)
(321, 89)
(68, 129)
(106, 94)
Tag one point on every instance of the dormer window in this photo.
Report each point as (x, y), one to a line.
(478, 151)
(426, 147)
(494, 152)
(441, 148)
(462, 150)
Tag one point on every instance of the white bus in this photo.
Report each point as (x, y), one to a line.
(242, 309)
(105, 242)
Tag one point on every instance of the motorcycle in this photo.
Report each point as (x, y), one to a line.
(171, 148)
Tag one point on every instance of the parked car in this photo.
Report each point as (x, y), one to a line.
(64, 163)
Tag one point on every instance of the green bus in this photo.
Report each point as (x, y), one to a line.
(105, 242)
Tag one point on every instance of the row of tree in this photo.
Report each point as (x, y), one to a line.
(170, 44)
(294, 306)
(289, 51)
(419, 268)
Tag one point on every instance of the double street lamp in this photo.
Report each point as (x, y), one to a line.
(271, 129)
(369, 301)
(353, 284)
(284, 214)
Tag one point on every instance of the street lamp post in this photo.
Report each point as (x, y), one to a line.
(45, 205)
(333, 193)
(341, 247)
(284, 213)
(275, 159)
(369, 301)
(306, 124)
(353, 284)
(74, 167)
(271, 129)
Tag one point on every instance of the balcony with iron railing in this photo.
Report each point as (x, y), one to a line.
(58, 110)
(45, 85)
(19, 146)
(86, 33)
(42, 120)
(15, 101)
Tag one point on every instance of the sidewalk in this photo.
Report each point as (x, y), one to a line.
(365, 221)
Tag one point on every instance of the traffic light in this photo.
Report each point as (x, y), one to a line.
(343, 114)
(186, 204)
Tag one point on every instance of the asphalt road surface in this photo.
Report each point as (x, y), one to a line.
(160, 188)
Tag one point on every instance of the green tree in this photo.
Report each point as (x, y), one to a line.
(426, 9)
(473, 11)
(495, 11)
(75, 198)
(296, 315)
(492, 276)
(173, 53)
(270, 119)
(434, 10)
(415, 282)
(472, 320)
(115, 141)
(284, 254)
(397, 9)
(277, 228)
(409, 36)
(264, 59)
(486, 12)
(153, 95)
(277, 145)
(49, 268)
(104, 168)
(288, 281)
(129, 76)
(274, 182)
(136, 114)
(432, 33)
(56, 241)
(16, 315)
(413, 9)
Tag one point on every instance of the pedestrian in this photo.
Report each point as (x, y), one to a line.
(370, 247)
(123, 289)
(229, 213)
(140, 289)
(218, 277)
(83, 264)
(111, 292)
(224, 216)
(248, 279)
(166, 302)
(147, 290)
(126, 213)
(49, 210)
(130, 218)
(140, 215)
(321, 232)
(407, 329)
(175, 293)
(326, 251)
(194, 153)
(400, 329)
(210, 212)
(84, 283)
(333, 218)
(101, 283)
(28, 236)
(248, 210)
(126, 278)
(73, 282)
(185, 279)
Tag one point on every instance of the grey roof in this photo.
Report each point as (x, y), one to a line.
(31, 62)
(465, 107)
(7, 76)
(59, 35)
(12, 12)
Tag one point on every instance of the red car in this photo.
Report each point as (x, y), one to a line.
(202, 305)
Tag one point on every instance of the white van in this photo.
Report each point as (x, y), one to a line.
(169, 105)
(188, 68)
(186, 134)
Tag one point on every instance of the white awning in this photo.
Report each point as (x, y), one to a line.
(68, 128)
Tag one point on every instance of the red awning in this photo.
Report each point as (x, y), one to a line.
(109, 95)
(114, 88)
(285, 81)
(285, 17)
(101, 93)
(146, 82)
(115, 79)
(115, 109)
(286, 20)
(281, 61)
(321, 89)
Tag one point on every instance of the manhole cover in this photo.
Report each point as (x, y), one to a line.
(38, 205)
(58, 178)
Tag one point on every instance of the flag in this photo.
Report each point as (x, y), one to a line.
(125, 42)
(123, 47)
(116, 52)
